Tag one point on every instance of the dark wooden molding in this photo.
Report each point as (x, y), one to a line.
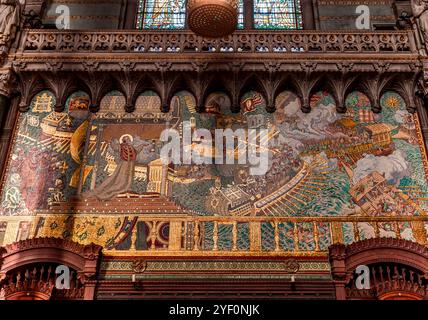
(216, 289)
(82, 258)
(129, 18)
(308, 15)
(345, 259)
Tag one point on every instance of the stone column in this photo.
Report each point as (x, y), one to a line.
(7, 114)
(308, 15)
(337, 257)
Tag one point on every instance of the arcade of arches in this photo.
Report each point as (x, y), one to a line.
(339, 112)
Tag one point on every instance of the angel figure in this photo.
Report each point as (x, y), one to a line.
(121, 179)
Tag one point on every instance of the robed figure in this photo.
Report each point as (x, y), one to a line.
(121, 179)
(420, 12)
(10, 17)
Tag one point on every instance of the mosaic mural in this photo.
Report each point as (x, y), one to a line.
(86, 176)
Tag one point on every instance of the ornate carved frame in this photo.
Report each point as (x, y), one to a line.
(82, 258)
(345, 259)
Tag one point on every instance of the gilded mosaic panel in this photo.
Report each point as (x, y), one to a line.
(330, 177)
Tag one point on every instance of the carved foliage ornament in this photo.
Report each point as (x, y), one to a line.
(291, 266)
(139, 266)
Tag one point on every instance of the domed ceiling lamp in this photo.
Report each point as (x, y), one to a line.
(212, 18)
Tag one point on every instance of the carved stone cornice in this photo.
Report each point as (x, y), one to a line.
(90, 252)
(379, 243)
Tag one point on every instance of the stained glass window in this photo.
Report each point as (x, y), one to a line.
(277, 14)
(268, 14)
(161, 14)
(241, 14)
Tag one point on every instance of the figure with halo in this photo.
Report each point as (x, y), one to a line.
(121, 179)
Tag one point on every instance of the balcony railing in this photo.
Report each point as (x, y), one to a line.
(241, 42)
(200, 236)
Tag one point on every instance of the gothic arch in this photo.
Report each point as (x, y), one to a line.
(322, 84)
(218, 84)
(184, 93)
(341, 86)
(217, 93)
(29, 86)
(286, 83)
(98, 85)
(62, 86)
(82, 258)
(406, 87)
(147, 83)
(253, 82)
(107, 94)
(372, 86)
(178, 83)
(345, 259)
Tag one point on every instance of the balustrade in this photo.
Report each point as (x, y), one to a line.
(175, 42)
(210, 235)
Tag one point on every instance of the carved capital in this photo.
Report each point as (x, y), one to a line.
(6, 78)
(337, 251)
(291, 266)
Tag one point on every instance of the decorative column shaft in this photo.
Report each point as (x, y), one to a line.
(8, 114)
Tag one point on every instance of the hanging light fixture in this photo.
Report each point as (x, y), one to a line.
(212, 18)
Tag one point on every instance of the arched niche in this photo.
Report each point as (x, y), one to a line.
(184, 104)
(77, 105)
(287, 104)
(147, 105)
(218, 108)
(321, 99)
(359, 108)
(112, 105)
(218, 103)
(252, 102)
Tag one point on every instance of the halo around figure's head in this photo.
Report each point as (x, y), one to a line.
(131, 139)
